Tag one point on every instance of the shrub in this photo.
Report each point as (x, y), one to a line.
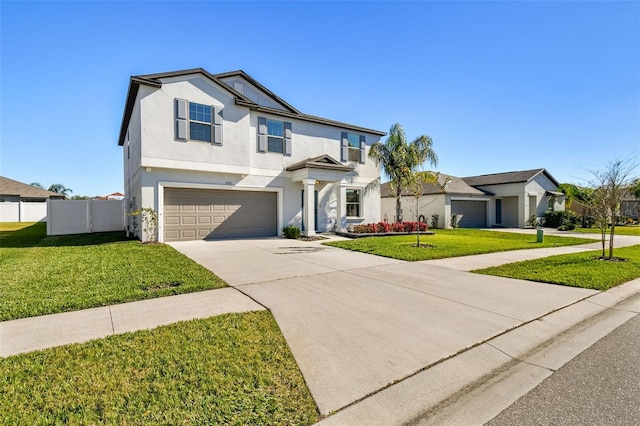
(454, 221)
(563, 220)
(533, 221)
(435, 221)
(291, 231)
(384, 227)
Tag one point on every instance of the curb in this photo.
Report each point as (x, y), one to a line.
(478, 383)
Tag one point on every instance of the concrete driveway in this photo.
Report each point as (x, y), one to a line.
(357, 323)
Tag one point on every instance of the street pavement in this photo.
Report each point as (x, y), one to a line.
(601, 386)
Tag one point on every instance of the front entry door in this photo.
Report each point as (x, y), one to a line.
(315, 210)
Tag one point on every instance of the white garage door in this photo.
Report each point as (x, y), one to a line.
(196, 214)
(474, 213)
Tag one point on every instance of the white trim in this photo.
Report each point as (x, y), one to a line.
(360, 201)
(453, 198)
(198, 166)
(190, 185)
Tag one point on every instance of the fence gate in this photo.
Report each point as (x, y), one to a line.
(84, 216)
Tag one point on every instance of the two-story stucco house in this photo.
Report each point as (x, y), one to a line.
(221, 156)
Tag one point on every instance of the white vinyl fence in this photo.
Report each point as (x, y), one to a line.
(84, 216)
(23, 211)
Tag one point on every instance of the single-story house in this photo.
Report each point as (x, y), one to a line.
(449, 195)
(506, 199)
(20, 202)
(222, 156)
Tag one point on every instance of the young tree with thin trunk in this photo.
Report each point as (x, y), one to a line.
(416, 186)
(610, 186)
(400, 159)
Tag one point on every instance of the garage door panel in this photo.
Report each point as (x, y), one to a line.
(201, 214)
(474, 213)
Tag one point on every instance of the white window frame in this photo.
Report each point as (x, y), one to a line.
(270, 136)
(359, 203)
(208, 124)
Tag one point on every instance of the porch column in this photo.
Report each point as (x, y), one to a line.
(341, 211)
(308, 207)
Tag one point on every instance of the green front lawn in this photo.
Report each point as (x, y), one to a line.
(233, 369)
(43, 275)
(620, 230)
(452, 243)
(575, 270)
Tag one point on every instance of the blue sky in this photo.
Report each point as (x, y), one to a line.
(499, 86)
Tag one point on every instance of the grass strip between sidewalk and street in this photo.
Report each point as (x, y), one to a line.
(452, 243)
(583, 270)
(43, 274)
(233, 369)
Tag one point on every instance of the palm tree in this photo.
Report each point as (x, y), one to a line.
(571, 192)
(60, 189)
(37, 185)
(400, 160)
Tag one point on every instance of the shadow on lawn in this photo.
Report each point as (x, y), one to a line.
(36, 236)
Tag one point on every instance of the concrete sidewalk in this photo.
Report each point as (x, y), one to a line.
(470, 263)
(29, 334)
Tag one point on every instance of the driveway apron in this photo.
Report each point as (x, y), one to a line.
(357, 323)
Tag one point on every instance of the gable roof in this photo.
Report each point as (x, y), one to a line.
(456, 186)
(325, 162)
(155, 80)
(15, 188)
(508, 177)
(255, 83)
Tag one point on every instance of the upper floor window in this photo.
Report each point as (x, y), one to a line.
(274, 136)
(353, 147)
(198, 122)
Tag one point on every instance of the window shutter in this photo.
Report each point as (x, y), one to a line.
(262, 134)
(344, 151)
(181, 119)
(217, 125)
(287, 138)
(363, 145)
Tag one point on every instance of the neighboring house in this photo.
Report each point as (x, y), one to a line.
(113, 196)
(518, 195)
(501, 199)
(20, 202)
(219, 156)
(450, 195)
(630, 207)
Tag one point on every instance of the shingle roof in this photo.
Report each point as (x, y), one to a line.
(13, 187)
(507, 177)
(155, 80)
(456, 186)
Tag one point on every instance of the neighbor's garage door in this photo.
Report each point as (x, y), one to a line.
(474, 213)
(196, 214)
